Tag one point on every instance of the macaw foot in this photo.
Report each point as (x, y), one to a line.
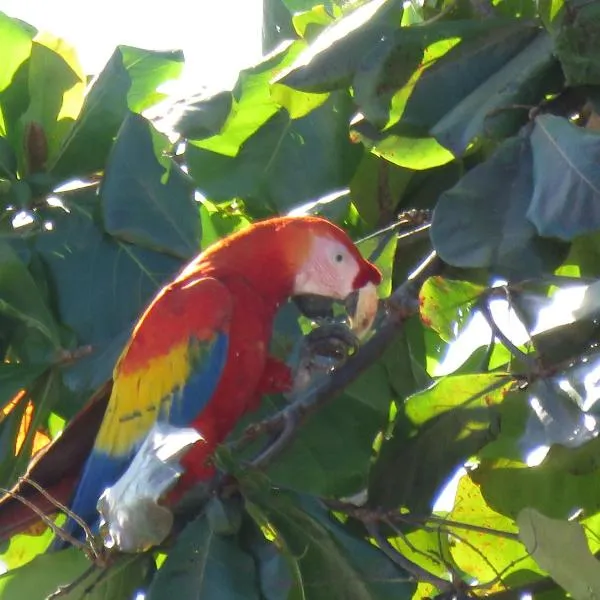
(323, 349)
(131, 518)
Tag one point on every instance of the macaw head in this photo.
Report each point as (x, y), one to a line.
(332, 266)
(294, 256)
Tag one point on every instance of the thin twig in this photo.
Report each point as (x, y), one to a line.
(45, 519)
(91, 546)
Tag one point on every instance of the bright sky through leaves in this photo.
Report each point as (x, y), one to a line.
(218, 37)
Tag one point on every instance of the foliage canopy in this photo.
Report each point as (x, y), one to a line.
(486, 114)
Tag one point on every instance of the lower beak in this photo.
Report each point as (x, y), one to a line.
(313, 306)
(361, 307)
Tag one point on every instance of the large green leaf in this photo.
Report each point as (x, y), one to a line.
(46, 573)
(127, 83)
(377, 187)
(146, 199)
(480, 222)
(56, 89)
(331, 60)
(502, 554)
(485, 48)
(333, 465)
(566, 479)
(326, 561)
(16, 47)
(252, 105)
(577, 571)
(20, 298)
(489, 111)
(205, 564)
(565, 199)
(413, 61)
(436, 432)
(285, 163)
(578, 45)
(101, 284)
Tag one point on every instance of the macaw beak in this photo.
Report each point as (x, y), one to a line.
(313, 306)
(362, 306)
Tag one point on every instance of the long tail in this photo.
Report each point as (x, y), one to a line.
(56, 469)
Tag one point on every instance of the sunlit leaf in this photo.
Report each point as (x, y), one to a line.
(577, 570)
(46, 573)
(128, 82)
(435, 433)
(446, 304)
(502, 552)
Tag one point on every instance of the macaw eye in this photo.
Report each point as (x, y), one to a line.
(339, 258)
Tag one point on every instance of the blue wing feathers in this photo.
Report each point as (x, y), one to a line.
(189, 401)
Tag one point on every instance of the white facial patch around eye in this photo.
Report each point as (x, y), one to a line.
(329, 271)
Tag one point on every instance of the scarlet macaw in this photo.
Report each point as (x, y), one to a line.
(198, 356)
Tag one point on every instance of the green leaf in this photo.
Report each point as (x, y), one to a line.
(489, 111)
(8, 161)
(577, 571)
(332, 58)
(308, 23)
(148, 70)
(101, 284)
(20, 298)
(486, 46)
(45, 393)
(377, 187)
(274, 574)
(15, 377)
(23, 548)
(549, 11)
(147, 200)
(298, 104)
(253, 104)
(205, 117)
(480, 222)
(56, 92)
(217, 223)
(566, 479)
(566, 189)
(578, 45)
(502, 554)
(328, 465)
(269, 172)
(326, 561)
(46, 573)
(409, 149)
(438, 430)
(15, 50)
(445, 305)
(127, 83)
(206, 564)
